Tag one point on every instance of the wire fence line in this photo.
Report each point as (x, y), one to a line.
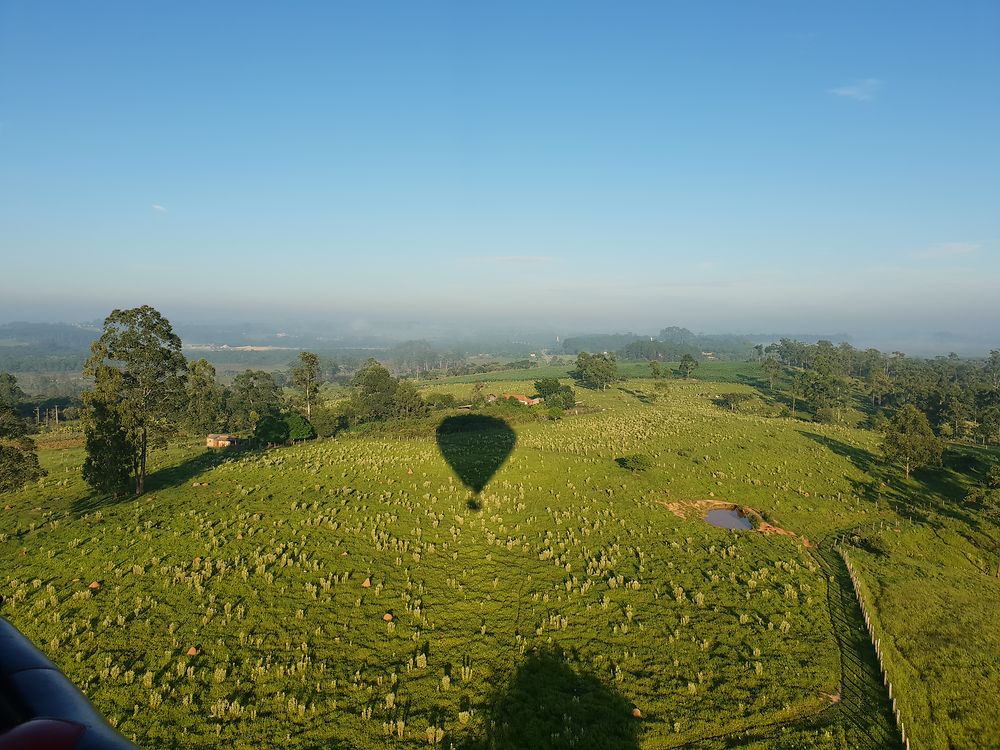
(865, 703)
(877, 644)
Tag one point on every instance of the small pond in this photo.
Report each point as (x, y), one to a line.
(728, 518)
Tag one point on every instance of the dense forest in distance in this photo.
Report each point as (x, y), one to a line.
(48, 357)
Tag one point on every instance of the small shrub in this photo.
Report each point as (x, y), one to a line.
(328, 422)
(441, 400)
(635, 462)
(299, 427)
(283, 428)
(271, 429)
(743, 402)
(826, 416)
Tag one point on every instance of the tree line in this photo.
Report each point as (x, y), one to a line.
(18, 454)
(959, 397)
(601, 370)
(672, 343)
(145, 391)
(918, 404)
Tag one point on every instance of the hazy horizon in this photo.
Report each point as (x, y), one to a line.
(573, 167)
(348, 332)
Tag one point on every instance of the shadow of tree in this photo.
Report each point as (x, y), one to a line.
(164, 478)
(773, 396)
(552, 703)
(642, 396)
(935, 490)
(863, 459)
(475, 447)
(761, 383)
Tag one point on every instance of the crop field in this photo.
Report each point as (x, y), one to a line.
(354, 592)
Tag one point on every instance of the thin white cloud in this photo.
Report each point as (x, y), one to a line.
(948, 250)
(862, 91)
(158, 208)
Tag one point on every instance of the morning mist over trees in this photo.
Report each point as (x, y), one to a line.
(512, 376)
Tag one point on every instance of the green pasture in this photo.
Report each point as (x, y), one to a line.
(351, 592)
(733, 372)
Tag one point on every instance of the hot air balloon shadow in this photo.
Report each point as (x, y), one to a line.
(475, 446)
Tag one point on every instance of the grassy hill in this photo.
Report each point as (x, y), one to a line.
(353, 593)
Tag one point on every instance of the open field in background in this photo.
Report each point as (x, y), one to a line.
(576, 583)
(711, 371)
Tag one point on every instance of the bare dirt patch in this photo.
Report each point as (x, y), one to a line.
(685, 508)
(688, 508)
(767, 528)
(53, 442)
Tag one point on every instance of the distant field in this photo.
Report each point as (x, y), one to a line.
(535, 373)
(576, 585)
(712, 371)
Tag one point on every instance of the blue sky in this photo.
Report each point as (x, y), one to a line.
(720, 165)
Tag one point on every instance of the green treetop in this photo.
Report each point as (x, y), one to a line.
(910, 441)
(252, 396)
(203, 411)
(18, 456)
(597, 370)
(772, 368)
(688, 364)
(306, 378)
